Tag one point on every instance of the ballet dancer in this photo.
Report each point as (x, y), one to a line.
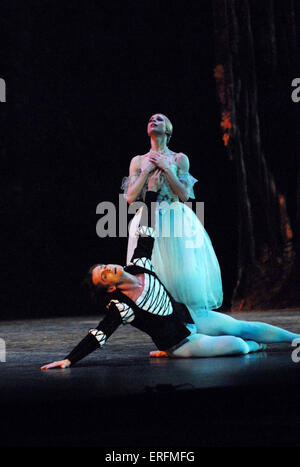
(139, 298)
(186, 263)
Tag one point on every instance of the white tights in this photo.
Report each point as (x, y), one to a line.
(223, 335)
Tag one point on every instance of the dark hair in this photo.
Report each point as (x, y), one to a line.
(95, 293)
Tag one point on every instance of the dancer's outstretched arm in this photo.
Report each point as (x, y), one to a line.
(146, 232)
(95, 339)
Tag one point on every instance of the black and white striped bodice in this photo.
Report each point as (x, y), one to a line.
(153, 299)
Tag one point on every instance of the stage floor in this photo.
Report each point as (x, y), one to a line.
(118, 396)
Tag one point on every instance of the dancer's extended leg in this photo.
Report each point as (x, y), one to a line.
(213, 323)
(200, 345)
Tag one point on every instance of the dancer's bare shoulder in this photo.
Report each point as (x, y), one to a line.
(182, 161)
(135, 165)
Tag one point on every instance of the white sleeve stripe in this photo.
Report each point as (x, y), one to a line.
(144, 263)
(143, 230)
(100, 336)
(125, 311)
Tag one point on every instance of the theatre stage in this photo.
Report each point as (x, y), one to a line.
(118, 396)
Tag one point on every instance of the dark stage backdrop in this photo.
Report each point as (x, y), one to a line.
(82, 80)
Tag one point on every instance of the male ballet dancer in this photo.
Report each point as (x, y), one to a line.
(139, 298)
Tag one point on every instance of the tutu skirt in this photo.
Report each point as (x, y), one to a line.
(183, 257)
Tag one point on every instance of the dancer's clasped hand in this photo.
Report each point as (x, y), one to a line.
(59, 364)
(160, 161)
(156, 180)
(146, 165)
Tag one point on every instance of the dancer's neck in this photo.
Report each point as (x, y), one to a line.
(132, 286)
(159, 144)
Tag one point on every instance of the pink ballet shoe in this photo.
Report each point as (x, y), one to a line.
(158, 354)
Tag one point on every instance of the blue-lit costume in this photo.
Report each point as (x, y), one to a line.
(183, 256)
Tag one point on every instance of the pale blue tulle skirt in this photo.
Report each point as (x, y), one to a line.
(183, 257)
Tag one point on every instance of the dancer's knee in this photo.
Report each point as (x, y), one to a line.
(239, 346)
(227, 345)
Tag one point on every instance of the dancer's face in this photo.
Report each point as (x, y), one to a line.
(156, 125)
(107, 275)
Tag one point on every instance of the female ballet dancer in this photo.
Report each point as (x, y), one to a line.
(139, 298)
(183, 255)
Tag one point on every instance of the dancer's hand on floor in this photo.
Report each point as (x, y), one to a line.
(61, 364)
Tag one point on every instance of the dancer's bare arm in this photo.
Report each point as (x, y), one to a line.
(180, 188)
(135, 188)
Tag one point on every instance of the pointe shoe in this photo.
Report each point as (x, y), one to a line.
(158, 354)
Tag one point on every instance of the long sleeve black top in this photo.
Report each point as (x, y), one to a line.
(155, 312)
